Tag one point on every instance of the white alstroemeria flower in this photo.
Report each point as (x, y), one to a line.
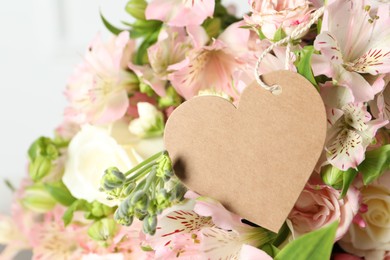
(380, 107)
(150, 122)
(353, 42)
(351, 131)
(183, 232)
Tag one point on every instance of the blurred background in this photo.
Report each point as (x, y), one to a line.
(41, 41)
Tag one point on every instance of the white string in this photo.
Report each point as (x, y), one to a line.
(298, 31)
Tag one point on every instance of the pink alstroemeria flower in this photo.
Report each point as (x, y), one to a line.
(185, 233)
(380, 108)
(350, 132)
(212, 66)
(97, 91)
(353, 42)
(50, 239)
(180, 13)
(171, 48)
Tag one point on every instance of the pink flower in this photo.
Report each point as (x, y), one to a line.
(50, 239)
(381, 106)
(373, 240)
(147, 76)
(11, 237)
(182, 231)
(171, 48)
(180, 13)
(270, 16)
(350, 132)
(319, 205)
(211, 67)
(97, 91)
(353, 42)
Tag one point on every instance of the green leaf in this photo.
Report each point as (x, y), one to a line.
(109, 26)
(60, 193)
(9, 184)
(144, 28)
(282, 235)
(348, 177)
(141, 56)
(375, 163)
(270, 249)
(279, 35)
(76, 206)
(315, 245)
(261, 34)
(304, 64)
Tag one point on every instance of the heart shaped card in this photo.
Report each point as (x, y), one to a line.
(254, 159)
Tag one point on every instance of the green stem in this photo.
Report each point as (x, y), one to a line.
(147, 161)
(141, 173)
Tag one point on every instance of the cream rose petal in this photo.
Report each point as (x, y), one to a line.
(90, 153)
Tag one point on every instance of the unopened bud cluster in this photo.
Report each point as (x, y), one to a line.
(144, 191)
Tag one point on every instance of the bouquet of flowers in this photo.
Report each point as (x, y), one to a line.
(103, 187)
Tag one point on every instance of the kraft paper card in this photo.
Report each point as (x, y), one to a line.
(254, 159)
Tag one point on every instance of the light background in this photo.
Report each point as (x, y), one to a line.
(41, 41)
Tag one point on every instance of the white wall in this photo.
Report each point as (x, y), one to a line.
(41, 41)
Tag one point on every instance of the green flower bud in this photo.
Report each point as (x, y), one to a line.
(332, 176)
(163, 199)
(164, 167)
(37, 199)
(40, 168)
(150, 224)
(140, 213)
(213, 27)
(42, 153)
(100, 210)
(139, 195)
(136, 8)
(150, 122)
(124, 214)
(103, 229)
(112, 179)
(126, 208)
(171, 99)
(129, 189)
(146, 89)
(177, 193)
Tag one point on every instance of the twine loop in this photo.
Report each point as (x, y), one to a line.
(298, 31)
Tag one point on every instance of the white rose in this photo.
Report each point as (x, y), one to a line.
(373, 241)
(90, 153)
(150, 122)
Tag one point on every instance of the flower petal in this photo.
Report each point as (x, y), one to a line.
(346, 151)
(327, 44)
(180, 12)
(220, 244)
(221, 217)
